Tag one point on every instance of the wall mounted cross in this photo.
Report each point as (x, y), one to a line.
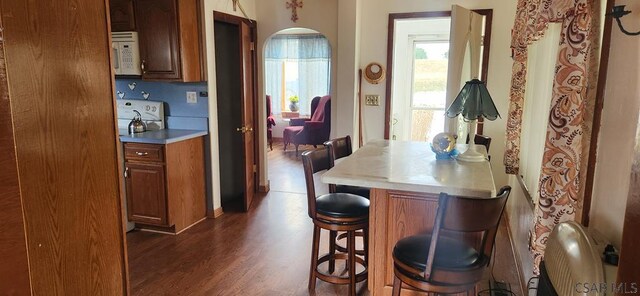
(294, 5)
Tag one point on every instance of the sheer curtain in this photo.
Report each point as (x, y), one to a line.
(297, 65)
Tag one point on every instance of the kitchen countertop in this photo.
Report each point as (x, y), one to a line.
(165, 136)
(412, 166)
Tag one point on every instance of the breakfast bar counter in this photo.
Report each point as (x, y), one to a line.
(405, 180)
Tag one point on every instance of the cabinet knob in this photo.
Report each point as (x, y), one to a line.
(142, 153)
(142, 66)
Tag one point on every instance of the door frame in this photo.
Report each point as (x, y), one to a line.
(487, 13)
(236, 20)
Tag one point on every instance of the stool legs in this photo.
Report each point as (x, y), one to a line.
(352, 259)
(396, 286)
(314, 258)
(351, 245)
(332, 250)
(365, 237)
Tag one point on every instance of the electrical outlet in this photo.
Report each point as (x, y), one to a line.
(192, 97)
(372, 100)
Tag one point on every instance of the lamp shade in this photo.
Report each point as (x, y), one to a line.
(473, 101)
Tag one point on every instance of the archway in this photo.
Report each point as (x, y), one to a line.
(297, 68)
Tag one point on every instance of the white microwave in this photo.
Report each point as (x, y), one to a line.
(126, 53)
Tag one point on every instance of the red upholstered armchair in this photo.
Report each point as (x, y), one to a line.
(314, 131)
(270, 123)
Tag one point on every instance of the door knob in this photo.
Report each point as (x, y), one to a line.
(244, 129)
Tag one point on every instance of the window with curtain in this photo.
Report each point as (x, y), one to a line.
(538, 94)
(297, 65)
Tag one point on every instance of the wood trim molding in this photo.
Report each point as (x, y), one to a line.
(527, 194)
(14, 272)
(488, 13)
(232, 19)
(516, 256)
(216, 213)
(597, 115)
(265, 188)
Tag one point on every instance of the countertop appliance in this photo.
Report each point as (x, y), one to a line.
(151, 112)
(126, 53)
(137, 125)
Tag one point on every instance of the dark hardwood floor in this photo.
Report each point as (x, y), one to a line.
(263, 252)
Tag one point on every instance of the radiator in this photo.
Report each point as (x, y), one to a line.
(572, 263)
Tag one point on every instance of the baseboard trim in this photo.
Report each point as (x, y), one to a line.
(186, 228)
(514, 251)
(265, 188)
(216, 213)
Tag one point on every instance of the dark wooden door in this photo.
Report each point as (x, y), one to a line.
(236, 92)
(59, 71)
(14, 270)
(122, 17)
(248, 100)
(157, 23)
(146, 193)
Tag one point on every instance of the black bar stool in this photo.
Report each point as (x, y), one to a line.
(334, 212)
(339, 148)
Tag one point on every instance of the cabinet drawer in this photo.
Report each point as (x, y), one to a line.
(144, 152)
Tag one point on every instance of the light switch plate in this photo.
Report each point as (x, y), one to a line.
(372, 100)
(192, 97)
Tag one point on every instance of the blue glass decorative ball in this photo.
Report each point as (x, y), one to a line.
(443, 145)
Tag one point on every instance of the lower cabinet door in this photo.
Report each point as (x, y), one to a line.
(146, 193)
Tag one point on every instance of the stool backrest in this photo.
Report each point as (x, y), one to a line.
(314, 161)
(338, 148)
(468, 215)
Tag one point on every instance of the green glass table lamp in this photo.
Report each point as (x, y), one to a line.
(473, 102)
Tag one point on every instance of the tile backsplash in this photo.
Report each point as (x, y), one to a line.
(174, 94)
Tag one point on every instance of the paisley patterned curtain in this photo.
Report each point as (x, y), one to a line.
(559, 188)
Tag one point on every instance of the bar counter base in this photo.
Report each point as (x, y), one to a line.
(393, 216)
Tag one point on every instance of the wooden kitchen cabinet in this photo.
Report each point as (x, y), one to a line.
(170, 39)
(147, 201)
(122, 15)
(165, 184)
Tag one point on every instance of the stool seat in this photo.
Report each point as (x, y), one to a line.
(357, 190)
(342, 205)
(413, 251)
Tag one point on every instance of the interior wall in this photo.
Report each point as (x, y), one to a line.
(224, 6)
(273, 16)
(373, 48)
(616, 140)
(345, 120)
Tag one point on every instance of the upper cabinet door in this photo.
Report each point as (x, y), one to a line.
(122, 16)
(157, 22)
